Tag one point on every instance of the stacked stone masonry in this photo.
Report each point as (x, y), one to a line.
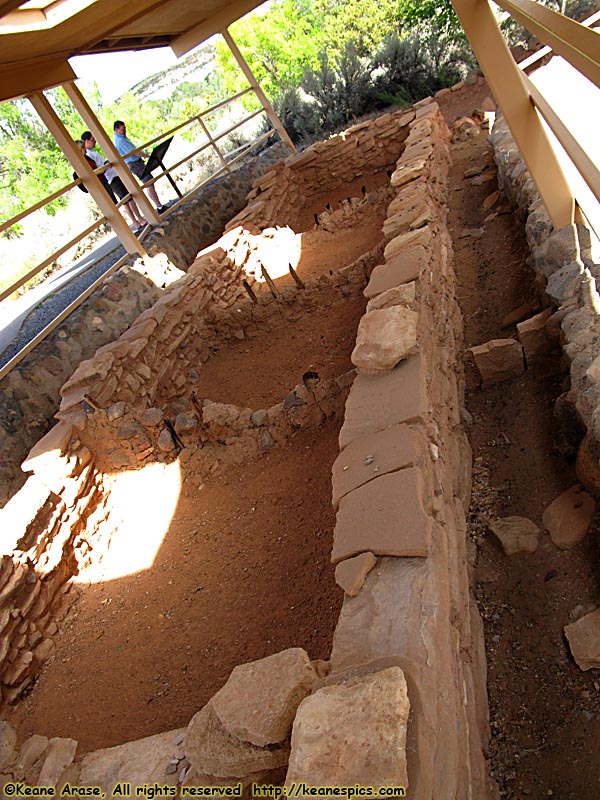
(566, 272)
(403, 697)
(29, 394)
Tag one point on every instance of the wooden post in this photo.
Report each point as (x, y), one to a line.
(507, 83)
(51, 120)
(110, 151)
(213, 143)
(275, 121)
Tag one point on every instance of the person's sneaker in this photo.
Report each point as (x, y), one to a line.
(162, 209)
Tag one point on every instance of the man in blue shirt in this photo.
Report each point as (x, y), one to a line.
(134, 160)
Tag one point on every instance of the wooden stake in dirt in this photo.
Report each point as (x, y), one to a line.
(251, 294)
(294, 275)
(269, 281)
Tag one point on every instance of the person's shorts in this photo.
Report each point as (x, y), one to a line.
(119, 187)
(137, 167)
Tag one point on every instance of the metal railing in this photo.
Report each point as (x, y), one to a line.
(226, 158)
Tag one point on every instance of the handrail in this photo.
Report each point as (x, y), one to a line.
(60, 318)
(101, 169)
(36, 270)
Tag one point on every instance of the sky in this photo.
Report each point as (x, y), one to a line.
(116, 72)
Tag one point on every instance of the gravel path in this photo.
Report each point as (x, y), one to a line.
(51, 306)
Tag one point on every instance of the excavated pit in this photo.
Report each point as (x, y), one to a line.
(244, 568)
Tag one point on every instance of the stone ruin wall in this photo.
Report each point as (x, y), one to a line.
(29, 393)
(566, 278)
(409, 638)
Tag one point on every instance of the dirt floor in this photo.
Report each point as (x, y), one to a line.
(244, 569)
(545, 712)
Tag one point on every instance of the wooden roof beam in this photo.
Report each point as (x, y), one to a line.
(215, 24)
(28, 77)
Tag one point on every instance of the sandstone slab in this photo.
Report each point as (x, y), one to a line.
(568, 518)
(8, 743)
(377, 402)
(58, 757)
(374, 455)
(498, 360)
(353, 733)
(399, 244)
(534, 337)
(384, 338)
(351, 573)
(142, 761)
(584, 640)
(401, 268)
(516, 534)
(386, 517)
(259, 701)
(404, 295)
(211, 750)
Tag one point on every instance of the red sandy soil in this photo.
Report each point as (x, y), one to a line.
(244, 568)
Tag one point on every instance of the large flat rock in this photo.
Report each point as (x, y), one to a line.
(498, 360)
(377, 402)
(401, 267)
(259, 701)
(353, 733)
(139, 762)
(385, 337)
(212, 750)
(374, 455)
(386, 517)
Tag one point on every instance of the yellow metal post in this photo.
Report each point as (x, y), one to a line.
(66, 143)
(508, 86)
(270, 111)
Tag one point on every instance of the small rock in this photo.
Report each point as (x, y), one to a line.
(258, 418)
(472, 171)
(266, 440)
(152, 417)
(129, 430)
(171, 769)
(184, 422)
(584, 640)
(179, 738)
(116, 411)
(580, 611)
(498, 360)
(475, 233)
(165, 441)
(119, 459)
(351, 573)
(516, 315)
(491, 200)
(534, 337)
(516, 534)
(568, 518)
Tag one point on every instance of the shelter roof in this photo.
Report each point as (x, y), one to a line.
(38, 36)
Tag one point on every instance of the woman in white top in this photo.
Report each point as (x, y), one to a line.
(114, 182)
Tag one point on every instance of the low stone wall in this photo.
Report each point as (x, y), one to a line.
(566, 276)
(29, 395)
(318, 178)
(402, 701)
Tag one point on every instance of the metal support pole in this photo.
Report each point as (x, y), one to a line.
(91, 120)
(275, 121)
(51, 120)
(508, 86)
